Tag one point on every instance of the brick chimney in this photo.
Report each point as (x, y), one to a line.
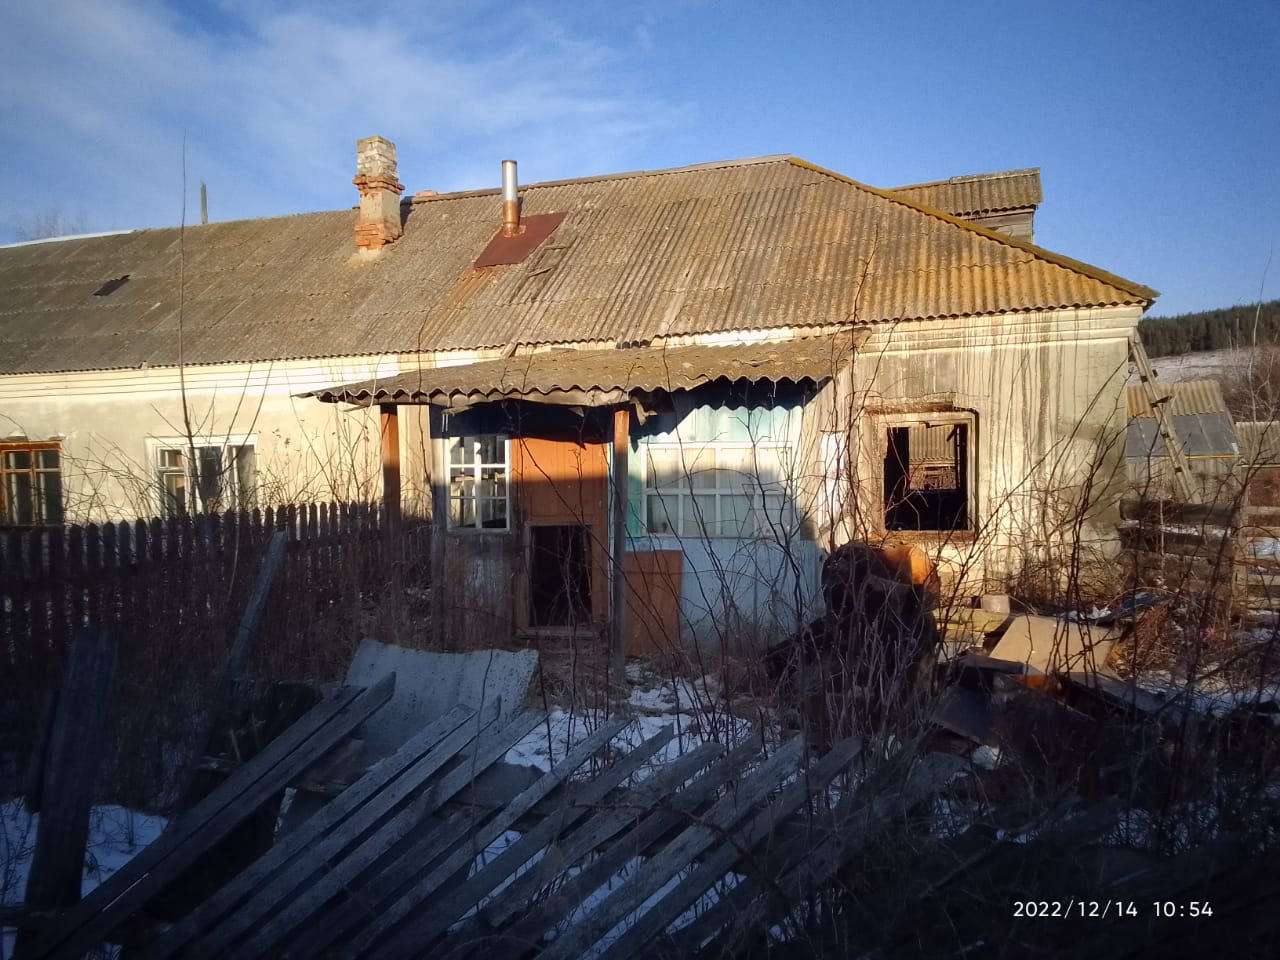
(379, 221)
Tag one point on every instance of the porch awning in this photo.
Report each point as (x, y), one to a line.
(602, 377)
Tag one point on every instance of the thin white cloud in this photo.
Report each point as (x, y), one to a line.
(97, 95)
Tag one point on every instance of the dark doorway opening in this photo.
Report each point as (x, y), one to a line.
(559, 576)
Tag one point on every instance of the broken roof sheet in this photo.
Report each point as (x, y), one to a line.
(718, 248)
(593, 377)
(981, 193)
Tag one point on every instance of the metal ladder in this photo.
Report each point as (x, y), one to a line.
(1164, 420)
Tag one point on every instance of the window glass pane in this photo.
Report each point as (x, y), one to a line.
(18, 460)
(209, 477)
(51, 497)
(460, 451)
(462, 486)
(462, 512)
(492, 449)
(171, 458)
(48, 459)
(657, 517)
(246, 475)
(493, 513)
(773, 462)
(663, 468)
(736, 468)
(699, 515)
(702, 468)
(735, 516)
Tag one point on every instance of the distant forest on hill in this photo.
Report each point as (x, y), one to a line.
(1210, 329)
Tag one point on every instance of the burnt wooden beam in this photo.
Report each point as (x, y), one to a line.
(70, 763)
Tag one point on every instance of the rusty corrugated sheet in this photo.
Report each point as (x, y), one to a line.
(738, 246)
(981, 193)
(585, 376)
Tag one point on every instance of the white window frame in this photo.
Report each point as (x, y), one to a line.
(703, 511)
(476, 472)
(238, 499)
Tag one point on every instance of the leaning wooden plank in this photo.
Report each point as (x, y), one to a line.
(67, 775)
(212, 819)
(629, 808)
(860, 817)
(401, 864)
(390, 919)
(451, 905)
(407, 767)
(658, 870)
(743, 839)
(675, 811)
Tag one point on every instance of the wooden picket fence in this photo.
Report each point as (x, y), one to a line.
(173, 589)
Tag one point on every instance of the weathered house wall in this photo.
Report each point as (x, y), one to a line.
(1042, 394)
(108, 424)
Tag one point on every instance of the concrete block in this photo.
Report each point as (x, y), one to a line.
(1046, 644)
(428, 685)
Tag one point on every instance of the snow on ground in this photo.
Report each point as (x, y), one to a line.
(115, 837)
(695, 709)
(1215, 696)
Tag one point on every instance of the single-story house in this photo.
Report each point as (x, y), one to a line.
(670, 389)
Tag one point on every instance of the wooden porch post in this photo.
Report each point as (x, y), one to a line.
(390, 428)
(618, 543)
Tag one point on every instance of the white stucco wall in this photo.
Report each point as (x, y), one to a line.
(306, 450)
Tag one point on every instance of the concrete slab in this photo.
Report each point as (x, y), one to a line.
(1049, 645)
(428, 685)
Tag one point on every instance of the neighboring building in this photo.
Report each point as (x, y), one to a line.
(781, 358)
(1005, 202)
(1198, 414)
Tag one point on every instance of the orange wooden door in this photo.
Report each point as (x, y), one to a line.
(563, 482)
(652, 601)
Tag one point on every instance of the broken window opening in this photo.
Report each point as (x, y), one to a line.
(559, 576)
(478, 470)
(30, 484)
(204, 477)
(926, 476)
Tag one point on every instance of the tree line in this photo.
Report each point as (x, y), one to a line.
(1211, 329)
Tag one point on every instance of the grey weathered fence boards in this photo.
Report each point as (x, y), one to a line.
(161, 573)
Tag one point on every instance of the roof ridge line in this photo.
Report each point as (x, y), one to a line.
(970, 178)
(1058, 259)
(625, 175)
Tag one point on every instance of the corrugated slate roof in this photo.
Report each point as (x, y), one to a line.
(1259, 441)
(1200, 419)
(1184, 398)
(604, 376)
(737, 246)
(978, 194)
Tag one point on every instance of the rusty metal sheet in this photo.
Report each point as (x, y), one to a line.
(503, 250)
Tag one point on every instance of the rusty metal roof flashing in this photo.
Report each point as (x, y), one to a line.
(504, 250)
(592, 378)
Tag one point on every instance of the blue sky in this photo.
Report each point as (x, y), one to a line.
(1156, 125)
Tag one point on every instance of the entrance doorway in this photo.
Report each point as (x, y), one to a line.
(559, 576)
